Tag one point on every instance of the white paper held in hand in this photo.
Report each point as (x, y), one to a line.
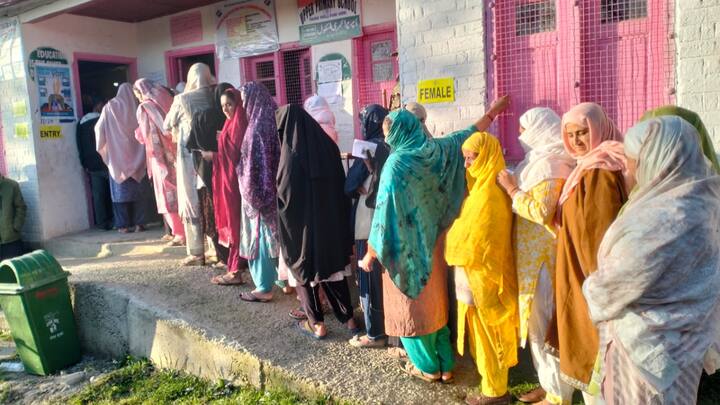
(361, 148)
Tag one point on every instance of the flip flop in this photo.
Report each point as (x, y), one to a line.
(305, 329)
(250, 297)
(222, 280)
(447, 380)
(298, 314)
(410, 369)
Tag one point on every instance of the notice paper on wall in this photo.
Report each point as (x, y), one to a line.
(331, 92)
(329, 71)
(22, 130)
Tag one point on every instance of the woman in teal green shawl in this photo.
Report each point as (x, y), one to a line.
(421, 189)
(694, 119)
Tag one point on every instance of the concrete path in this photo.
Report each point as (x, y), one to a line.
(142, 302)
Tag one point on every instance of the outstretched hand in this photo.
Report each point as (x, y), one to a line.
(508, 182)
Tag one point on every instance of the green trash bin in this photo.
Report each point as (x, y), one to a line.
(35, 298)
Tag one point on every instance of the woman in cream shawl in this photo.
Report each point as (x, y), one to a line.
(655, 294)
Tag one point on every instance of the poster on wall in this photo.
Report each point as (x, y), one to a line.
(328, 20)
(186, 28)
(54, 91)
(46, 56)
(245, 28)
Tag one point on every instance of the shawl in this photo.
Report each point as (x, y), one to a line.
(694, 119)
(154, 106)
(320, 110)
(545, 155)
(198, 76)
(421, 189)
(226, 192)
(480, 239)
(260, 152)
(115, 136)
(316, 240)
(204, 133)
(371, 119)
(658, 275)
(606, 150)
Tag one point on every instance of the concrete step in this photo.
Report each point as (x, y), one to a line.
(102, 244)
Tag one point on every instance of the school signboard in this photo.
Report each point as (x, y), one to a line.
(436, 91)
(328, 20)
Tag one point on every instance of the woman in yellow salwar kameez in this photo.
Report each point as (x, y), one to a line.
(479, 245)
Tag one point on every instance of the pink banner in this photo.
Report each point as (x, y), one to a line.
(186, 28)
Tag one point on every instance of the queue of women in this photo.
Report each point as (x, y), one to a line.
(601, 251)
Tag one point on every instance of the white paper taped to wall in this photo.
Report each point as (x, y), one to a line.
(329, 71)
(331, 92)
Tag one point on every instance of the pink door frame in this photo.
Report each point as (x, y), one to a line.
(172, 55)
(95, 57)
(356, 62)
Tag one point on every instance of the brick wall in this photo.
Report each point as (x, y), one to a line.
(444, 39)
(698, 60)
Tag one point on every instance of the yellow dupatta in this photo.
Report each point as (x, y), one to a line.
(480, 241)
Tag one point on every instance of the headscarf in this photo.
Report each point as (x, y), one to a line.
(421, 189)
(115, 137)
(545, 155)
(480, 238)
(420, 113)
(313, 211)
(657, 277)
(371, 119)
(260, 151)
(694, 119)
(204, 133)
(198, 76)
(154, 106)
(605, 149)
(226, 192)
(319, 109)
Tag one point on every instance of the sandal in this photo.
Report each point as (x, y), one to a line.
(366, 343)
(125, 230)
(305, 328)
(410, 369)
(193, 261)
(234, 279)
(298, 314)
(251, 297)
(447, 377)
(167, 238)
(140, 228)
(481, 399)
(397, 353)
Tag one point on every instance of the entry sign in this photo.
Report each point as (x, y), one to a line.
(436, 90)
(48, 132)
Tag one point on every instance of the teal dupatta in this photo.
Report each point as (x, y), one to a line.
(421, 189)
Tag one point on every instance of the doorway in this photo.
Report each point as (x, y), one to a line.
(178, 62)
(552, 53)
(98, 76)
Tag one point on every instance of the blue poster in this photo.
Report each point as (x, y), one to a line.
(55, 91)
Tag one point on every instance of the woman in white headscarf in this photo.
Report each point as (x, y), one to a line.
(320, 110)
(125, 158)
(654, 296)
(196, 97)
(535, 194)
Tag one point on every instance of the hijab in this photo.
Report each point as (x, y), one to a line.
(605, 149)
(204, 133)
(260, 150)
(320, 110)
(198, 76)
(115, 136)
(545, 155)
(421, 189)
(694, 120)
(156, 101)
(371, 120)
(669, 225)
(420, 113)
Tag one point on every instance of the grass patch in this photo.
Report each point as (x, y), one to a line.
(138, 382)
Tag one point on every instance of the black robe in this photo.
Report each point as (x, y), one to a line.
(316, 240)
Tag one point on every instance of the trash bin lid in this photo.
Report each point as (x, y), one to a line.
(29, 271)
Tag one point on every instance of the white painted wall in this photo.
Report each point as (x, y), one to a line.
(698, 61)
(62, 196)
(444, 39)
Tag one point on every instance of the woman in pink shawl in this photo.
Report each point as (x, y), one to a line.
(320, 110)
(160, 151)
(226, 191)
(591, 199)
(125, 158)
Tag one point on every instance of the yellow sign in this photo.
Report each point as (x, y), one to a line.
(436, 90)
(22, 130)
(19, 109)
(50, 132)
